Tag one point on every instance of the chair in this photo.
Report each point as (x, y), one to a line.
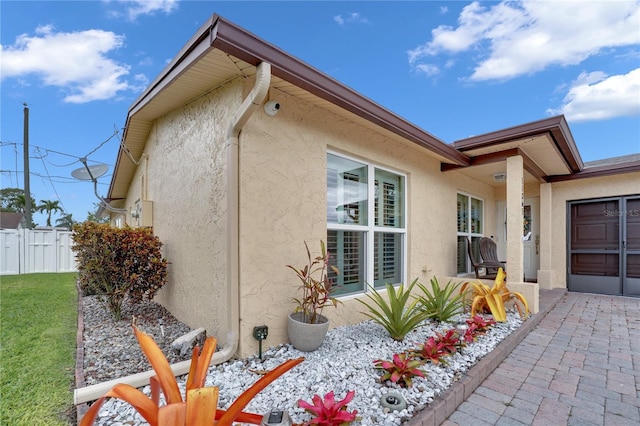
(489, 254)
(491, 268)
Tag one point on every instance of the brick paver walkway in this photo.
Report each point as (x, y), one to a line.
(579, 366)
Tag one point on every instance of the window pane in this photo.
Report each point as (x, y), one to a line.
(462, 255)
(463, 208)
(387, 253)
(389, 199)
(476, 216)
(470, 225)
(346, 191)
(347, 251)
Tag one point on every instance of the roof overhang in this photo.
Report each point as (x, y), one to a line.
(221, 51)
(546, 146)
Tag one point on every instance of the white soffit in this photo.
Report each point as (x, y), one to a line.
(540, 149)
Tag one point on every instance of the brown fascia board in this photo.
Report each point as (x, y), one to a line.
(223, 35)
(556, 127)
(494, 157)
(600, 171)
(234, 40)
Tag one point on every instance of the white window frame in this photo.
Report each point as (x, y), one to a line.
(469, 234)
(370, 229)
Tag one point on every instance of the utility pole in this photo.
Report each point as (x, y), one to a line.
(27, 187)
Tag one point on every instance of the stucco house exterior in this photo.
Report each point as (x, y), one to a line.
(234, 189)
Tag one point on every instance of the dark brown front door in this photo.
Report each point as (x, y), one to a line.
(604, 246)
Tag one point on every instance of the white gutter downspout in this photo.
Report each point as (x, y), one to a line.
(255, 98)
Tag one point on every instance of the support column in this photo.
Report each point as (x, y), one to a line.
(515, 198)
(545, 273)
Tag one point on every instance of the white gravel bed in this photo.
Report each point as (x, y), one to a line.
(344, 362)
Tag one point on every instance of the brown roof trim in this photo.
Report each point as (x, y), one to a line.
(556, 127)
(221, 34)
(600, 171)
(494, 157)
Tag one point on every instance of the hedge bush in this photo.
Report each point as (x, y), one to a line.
(115, 262)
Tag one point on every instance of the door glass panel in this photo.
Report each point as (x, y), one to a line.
(526, 223)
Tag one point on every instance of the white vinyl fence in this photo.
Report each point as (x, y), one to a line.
(24, 251)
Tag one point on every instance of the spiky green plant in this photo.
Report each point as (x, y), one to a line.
(441, 303)
(398, 316)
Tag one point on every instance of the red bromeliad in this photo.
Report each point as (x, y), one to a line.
(431, 350)
(449, 341)
(482, 325)
(401, 369)
(328, 411)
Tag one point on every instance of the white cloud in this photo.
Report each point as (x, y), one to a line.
(352, 18)
(596, 96)
(135, 8)
(428, 69)
(77, 62)
(517, 38)
(148, 7)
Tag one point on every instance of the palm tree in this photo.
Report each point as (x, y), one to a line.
(65, 221)
(49, 207)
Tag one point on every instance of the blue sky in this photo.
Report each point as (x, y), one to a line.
(454, 68)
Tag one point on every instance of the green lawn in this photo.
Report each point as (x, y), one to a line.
(38, 322)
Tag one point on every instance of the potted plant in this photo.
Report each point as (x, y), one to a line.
(307, 326)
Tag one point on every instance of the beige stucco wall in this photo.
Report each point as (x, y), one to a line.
(183, 173)
(573, 190)
(283, 204)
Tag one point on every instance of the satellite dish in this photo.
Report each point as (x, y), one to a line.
(90, 172)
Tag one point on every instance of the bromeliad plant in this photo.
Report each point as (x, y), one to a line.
(200, 404)
(401, 369)
(480, 324)
(431, 350)
(316, 285)
(492, 299)
(397, 316)
(328, 411)
(449, 341)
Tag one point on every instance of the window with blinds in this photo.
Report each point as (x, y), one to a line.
(365, 224)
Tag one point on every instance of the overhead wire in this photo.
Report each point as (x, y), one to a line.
(55, 178)
(115, 132)
(52, 151)
(44, 164)
(42, 153)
